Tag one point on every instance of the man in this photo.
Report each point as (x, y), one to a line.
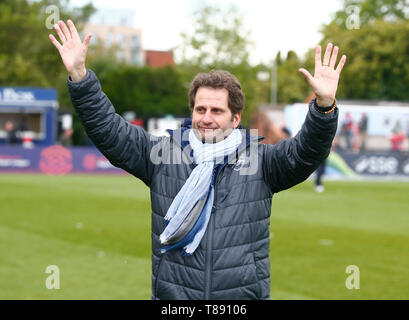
(363, 129)
(319, 187)
(210, 219)
(347, 130)
(11, 134)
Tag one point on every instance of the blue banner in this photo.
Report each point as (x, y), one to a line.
(55, 160)
(369, 163)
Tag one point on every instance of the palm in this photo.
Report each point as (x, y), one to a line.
(73, 52)
(325, 81)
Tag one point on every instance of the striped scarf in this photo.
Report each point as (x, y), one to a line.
(188, 215)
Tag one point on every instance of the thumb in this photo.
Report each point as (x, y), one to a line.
(87, 39)
(306, 74)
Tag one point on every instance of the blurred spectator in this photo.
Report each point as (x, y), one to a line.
(335, 144)
(66, 137)
(407, 129)
(11, 134)
(318, 177)
(156, 132)
(318, 173)
(28, 139)
(397, 137)
(137, 122)
(347, 131)
(356, 143)
(23, 121)
(363, 128)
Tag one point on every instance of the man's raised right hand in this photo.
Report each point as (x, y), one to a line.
(73, 52)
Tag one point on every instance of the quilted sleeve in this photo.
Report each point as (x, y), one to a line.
(293, 160)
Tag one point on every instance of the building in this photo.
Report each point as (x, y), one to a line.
(155, 58)
(113, 28)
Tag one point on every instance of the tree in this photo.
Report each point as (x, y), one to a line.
(218, 40)
(146, 91)
(377, 51)
(370, 10)
(27, 56)
(291, 87)
(378, 67)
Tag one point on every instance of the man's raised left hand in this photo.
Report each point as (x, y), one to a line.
(325, 81)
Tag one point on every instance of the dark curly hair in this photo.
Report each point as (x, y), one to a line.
(219, 79)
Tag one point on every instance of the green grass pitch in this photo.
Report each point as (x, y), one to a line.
(96, 229)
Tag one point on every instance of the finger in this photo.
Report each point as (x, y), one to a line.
(306, 74)
(87, 39)
(327, 54)
(334, 57)
(317, 58)
(60, 34)
(64, 29)
(55, 42)
(341, 64)
(73, 30)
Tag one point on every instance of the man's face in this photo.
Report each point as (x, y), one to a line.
(9, 126)
(211, 115)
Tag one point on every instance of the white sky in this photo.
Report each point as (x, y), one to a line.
(274, 25)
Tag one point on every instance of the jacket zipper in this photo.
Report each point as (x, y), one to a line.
(157, 275)
(209, 259)
(209, 256)
(209, 253)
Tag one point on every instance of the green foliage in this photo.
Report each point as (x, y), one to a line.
(146, 91)
(291, 84)
(217, 40)
(27, 56)
(370, 10)
(377, 64)
(149, 92)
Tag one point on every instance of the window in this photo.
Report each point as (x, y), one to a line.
(134, 42)
(29, 121)
(135, 56)
(109, 39)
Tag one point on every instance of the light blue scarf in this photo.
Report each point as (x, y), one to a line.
(188, 215)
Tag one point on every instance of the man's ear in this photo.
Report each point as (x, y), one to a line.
(236, 119)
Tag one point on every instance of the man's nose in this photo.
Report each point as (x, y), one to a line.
(207, 118)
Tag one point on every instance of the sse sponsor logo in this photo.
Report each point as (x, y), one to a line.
(377, 165)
